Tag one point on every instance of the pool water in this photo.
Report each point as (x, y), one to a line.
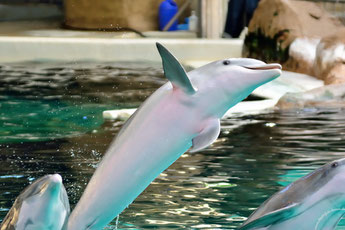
(58, 128)
(43, 101)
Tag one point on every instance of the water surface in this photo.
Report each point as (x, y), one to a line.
(57, 128)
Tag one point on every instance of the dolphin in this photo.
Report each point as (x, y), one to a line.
(43, 205)
(182, 114)
(316, 202)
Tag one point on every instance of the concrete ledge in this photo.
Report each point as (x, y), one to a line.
(16, 49)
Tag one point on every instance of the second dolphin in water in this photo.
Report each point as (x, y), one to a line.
(43, 205)
(183, 114)
(315, 202)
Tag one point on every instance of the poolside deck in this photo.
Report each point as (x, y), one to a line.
(27, 41)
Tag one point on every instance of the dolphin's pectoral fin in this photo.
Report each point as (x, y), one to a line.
(174, 71)
(273, 217)
(207, 136)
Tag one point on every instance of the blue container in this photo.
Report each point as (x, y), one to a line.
(167, 10)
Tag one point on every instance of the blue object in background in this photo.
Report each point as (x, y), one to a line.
(184, 26)
(167, 10)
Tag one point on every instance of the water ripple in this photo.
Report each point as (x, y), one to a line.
(216, 188)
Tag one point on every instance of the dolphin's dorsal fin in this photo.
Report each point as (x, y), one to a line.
(174, 71)
(273, 217)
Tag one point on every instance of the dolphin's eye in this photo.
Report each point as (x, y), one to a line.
(226, 62)
(334, 164)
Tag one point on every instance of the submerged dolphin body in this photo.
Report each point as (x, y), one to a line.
(43, 205)
(184, 113)
(316, 202)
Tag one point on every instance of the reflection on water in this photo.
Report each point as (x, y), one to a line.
(216, 188)
(42, 101)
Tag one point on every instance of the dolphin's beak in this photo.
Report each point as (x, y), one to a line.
(53, 182)
(56, 178)
(264, 67)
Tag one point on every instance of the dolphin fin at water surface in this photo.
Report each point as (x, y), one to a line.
(174, 71)
(182, 114)
(42, 205)
(315, 201)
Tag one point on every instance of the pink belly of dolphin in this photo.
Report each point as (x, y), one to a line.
(138, 156)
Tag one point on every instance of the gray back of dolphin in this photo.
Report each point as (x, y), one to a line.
(37, 187)
(302, 196)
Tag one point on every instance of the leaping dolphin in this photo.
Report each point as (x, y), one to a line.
(316, 202)
(182, 114)
(43, 205)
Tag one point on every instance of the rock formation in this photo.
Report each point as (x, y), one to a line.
(302, 55)
(329, 96)
(277, 23)
(329, 63)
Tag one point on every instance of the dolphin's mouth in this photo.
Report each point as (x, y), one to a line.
(264, 67)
